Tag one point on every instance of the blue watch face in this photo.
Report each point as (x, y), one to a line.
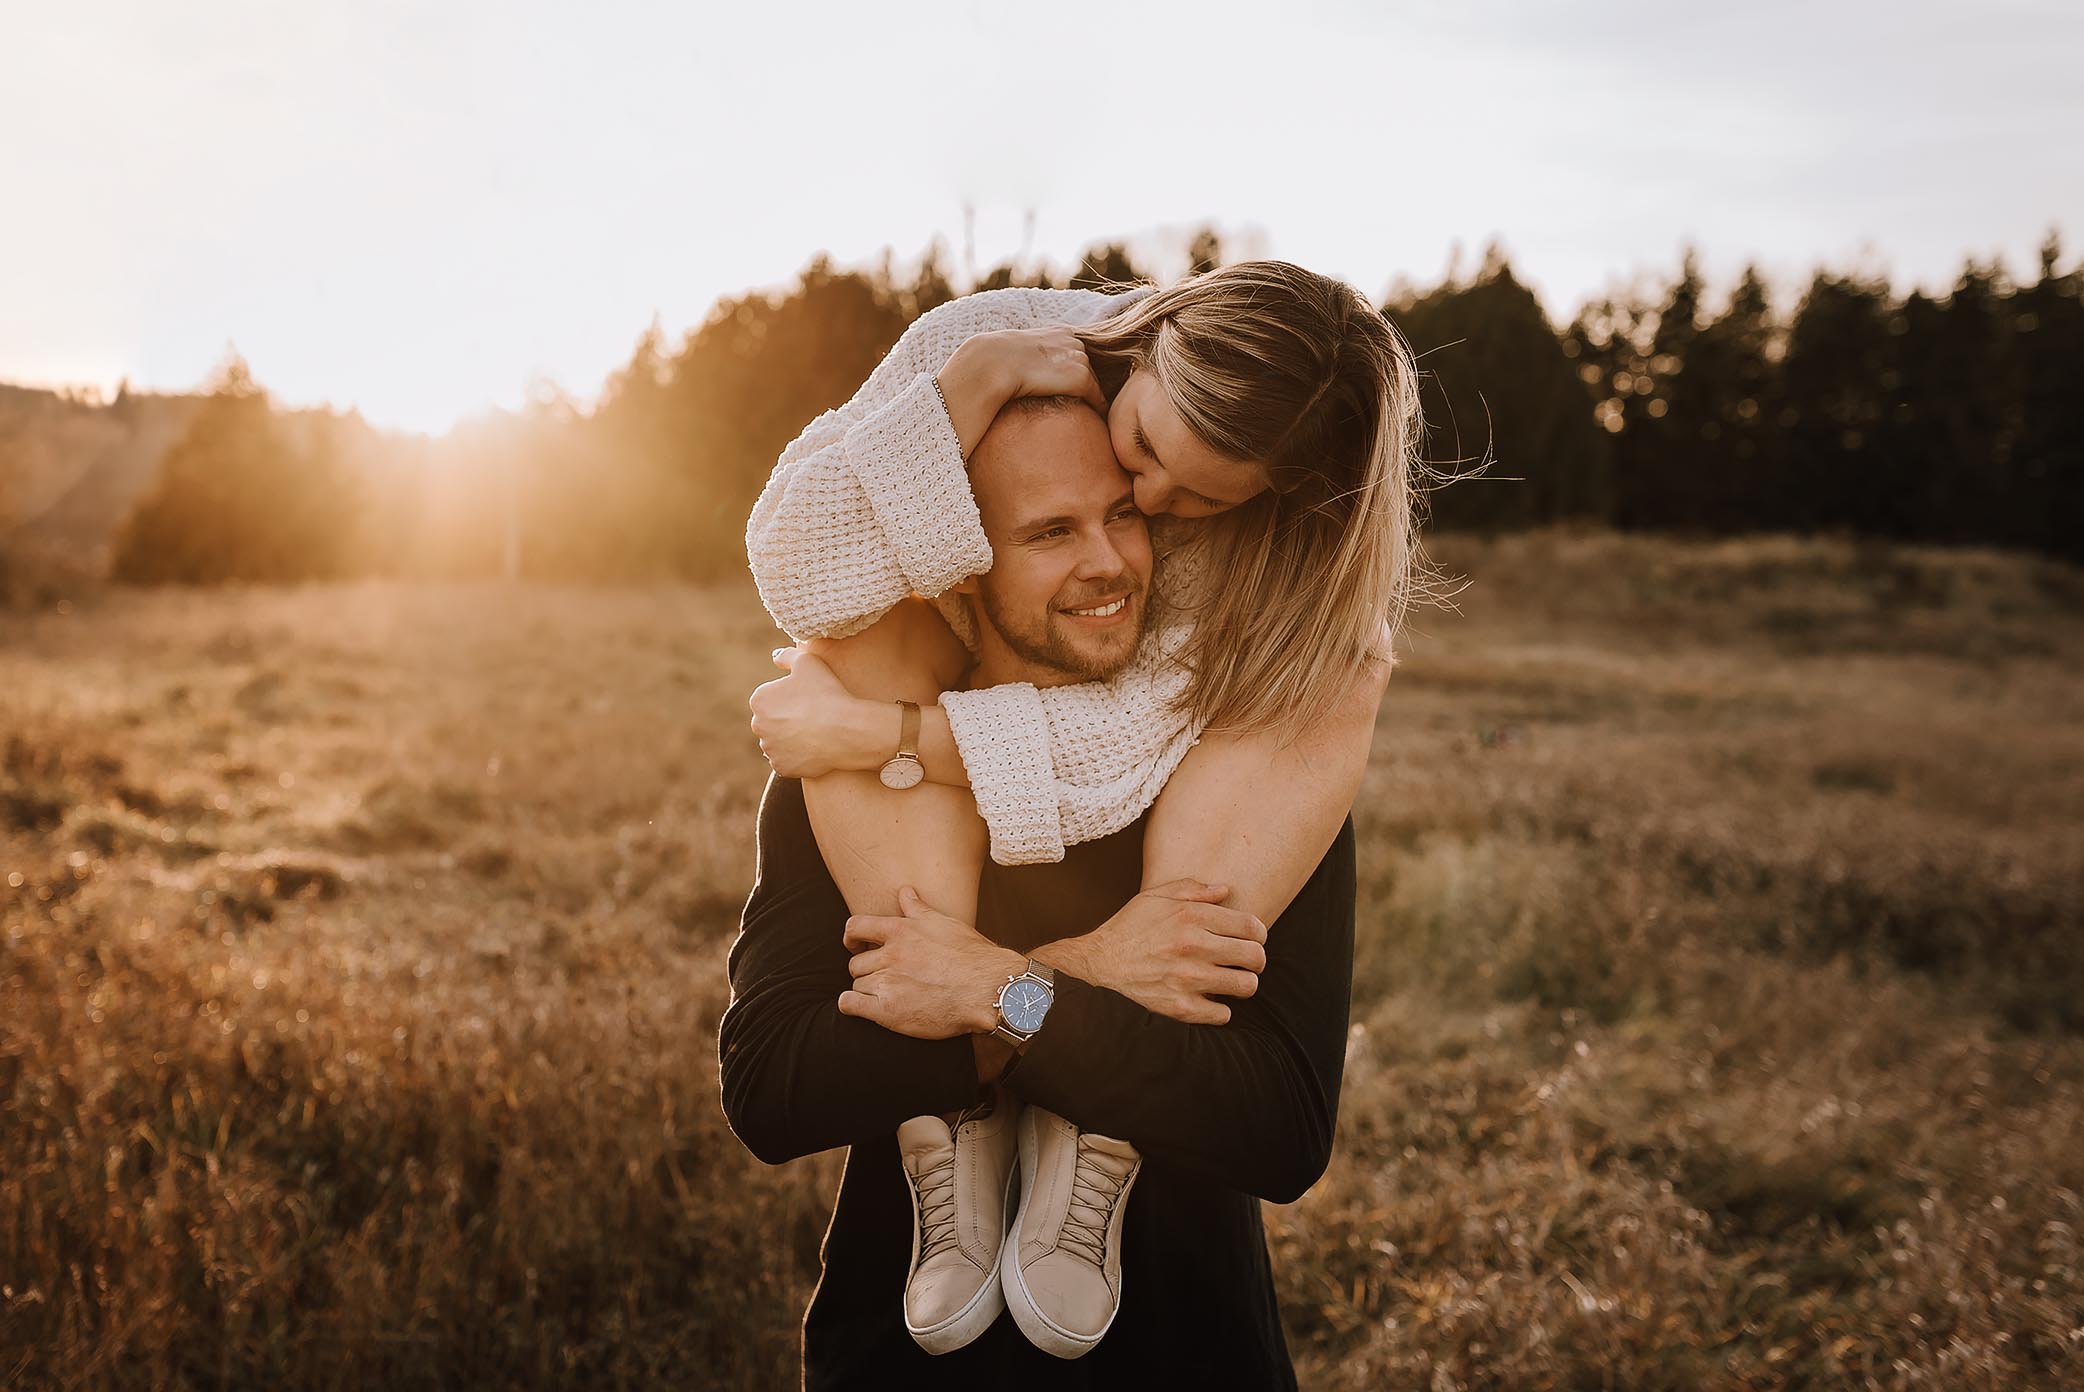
(1024, 1004)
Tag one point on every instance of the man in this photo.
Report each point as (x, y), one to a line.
(821, 1048)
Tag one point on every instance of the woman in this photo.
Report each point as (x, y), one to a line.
(1270, 419)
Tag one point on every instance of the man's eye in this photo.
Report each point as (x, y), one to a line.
(1052, 532)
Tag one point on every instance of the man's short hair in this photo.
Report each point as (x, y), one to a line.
(1031, 407)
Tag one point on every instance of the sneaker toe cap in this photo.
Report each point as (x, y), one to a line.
(1072, 1294)
(941, 1291)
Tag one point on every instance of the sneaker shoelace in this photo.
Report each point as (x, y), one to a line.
(1096, 1187)
(936, 1186)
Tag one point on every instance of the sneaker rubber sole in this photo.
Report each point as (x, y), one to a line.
(1043, 1332)
(977, 1314)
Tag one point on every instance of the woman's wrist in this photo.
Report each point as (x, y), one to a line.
(872, 732)
(974, 384)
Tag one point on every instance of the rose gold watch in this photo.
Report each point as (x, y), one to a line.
(904, 769)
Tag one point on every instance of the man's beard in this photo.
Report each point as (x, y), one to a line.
(1047, 644)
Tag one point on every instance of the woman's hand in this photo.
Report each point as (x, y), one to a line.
(990, 369)
(1046, 361)
(809, 724)
(1169, 949)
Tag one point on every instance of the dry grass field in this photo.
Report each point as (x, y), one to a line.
(1719, 1016)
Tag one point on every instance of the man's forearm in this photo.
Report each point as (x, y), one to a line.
(797, 1075)
(1251, 1104)
(1160, 952)
(1075, 955)
(1070, 955)
(992, 1054)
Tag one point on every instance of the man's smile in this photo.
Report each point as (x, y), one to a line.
(1106, 613)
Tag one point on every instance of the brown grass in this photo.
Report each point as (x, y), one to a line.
(1716, 1024)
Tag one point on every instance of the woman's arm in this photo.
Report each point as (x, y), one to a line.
(809, 724)
(1061, 765)
(871, 503)
(1251, 1104)
(797, 1075)
(1051, 767)
(800, 1074)
(1262, 811)
(1048, 767)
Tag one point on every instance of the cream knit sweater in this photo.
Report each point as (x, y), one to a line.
(871, 504)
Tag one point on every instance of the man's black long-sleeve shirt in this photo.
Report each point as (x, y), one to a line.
(1224, 1115)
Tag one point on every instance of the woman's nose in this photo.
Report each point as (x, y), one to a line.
(1153, 496)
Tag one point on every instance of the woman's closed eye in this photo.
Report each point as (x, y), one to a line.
(1202, 501)
(1143, 442)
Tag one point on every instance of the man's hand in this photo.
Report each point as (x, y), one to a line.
(809, 724)
(925, 974)
(1169, 949)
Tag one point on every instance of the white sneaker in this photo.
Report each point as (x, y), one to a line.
(959, 1169)
(1062, 1269)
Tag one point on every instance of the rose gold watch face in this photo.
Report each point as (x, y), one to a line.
(902, 773)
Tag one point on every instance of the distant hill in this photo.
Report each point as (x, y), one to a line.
(71, 469)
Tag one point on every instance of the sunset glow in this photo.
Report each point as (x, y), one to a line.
(420, 210)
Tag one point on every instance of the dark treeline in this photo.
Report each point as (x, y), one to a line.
(1954, 420)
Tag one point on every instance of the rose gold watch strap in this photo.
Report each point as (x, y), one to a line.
(908, 731)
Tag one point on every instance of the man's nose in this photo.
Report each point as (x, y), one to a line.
(1100, 559)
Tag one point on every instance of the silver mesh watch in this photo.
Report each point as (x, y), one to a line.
(1024, 1003)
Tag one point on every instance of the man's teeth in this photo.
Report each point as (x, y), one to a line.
(1104, 610)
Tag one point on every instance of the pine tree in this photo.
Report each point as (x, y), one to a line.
(1656, 465)
(1723, 404)
(1105, 266)
(247, 494)
(1497, 385)
(930, 288)
(2047, 321)
(745, 383)
(1831, 471)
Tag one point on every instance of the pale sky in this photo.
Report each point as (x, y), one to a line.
(418, 209)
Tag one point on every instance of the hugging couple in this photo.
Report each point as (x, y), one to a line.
(1104, 584)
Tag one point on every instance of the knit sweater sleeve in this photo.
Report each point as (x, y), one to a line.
(1051, 767)
(872, 503)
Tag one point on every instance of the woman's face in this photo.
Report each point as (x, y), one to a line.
(1174, 471)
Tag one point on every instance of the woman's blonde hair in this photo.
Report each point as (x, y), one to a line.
(1267, 361)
